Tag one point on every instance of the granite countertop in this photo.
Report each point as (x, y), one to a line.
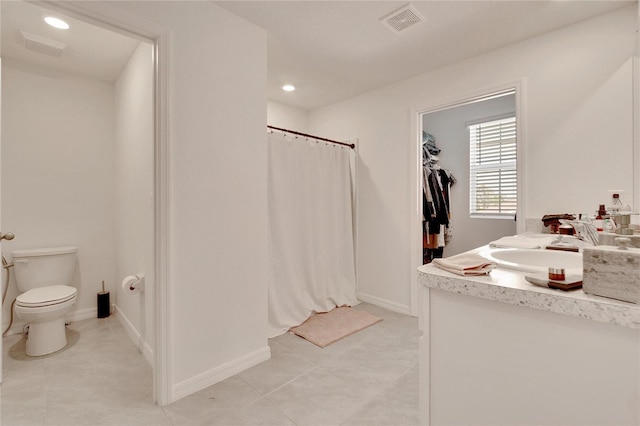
(509, 286)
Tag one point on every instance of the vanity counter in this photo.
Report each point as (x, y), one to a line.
(510, 286)
(496, 349)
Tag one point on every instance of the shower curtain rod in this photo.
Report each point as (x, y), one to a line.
(350, 145)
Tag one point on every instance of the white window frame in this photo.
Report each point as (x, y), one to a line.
(500, 158)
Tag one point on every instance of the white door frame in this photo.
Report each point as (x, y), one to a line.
(415, 161)
(103, 15)
(636, 119)
(2, 269)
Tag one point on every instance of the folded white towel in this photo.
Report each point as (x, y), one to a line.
(519, 241)
(465, 264)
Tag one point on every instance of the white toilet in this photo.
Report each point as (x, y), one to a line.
(44, 278)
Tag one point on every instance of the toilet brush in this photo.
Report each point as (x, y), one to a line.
(104, 307)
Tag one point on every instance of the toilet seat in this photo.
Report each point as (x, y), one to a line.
(46, 296)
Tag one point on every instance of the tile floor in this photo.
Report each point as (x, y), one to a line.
(100, 378)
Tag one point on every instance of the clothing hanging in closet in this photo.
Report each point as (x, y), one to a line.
(436, 184)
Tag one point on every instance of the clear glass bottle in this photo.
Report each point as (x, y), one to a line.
(609, 226)
(616, 203)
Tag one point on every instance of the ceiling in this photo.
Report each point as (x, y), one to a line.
(91, 51)
(330, 50)
(333, 50)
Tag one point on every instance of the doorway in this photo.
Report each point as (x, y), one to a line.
(443, 145)
(143, 167)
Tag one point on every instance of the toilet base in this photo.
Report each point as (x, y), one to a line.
(46, 337)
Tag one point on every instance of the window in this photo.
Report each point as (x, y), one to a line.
(493, 186)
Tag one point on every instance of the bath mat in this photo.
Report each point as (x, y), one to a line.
(325, 328)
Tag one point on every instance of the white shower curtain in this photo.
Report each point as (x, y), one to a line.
(310, 230)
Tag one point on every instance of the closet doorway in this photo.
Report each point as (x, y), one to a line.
(469, 160)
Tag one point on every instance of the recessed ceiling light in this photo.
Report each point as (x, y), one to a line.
(56, 22)
(288, 88)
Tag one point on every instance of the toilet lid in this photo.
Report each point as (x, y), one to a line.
(44, 296)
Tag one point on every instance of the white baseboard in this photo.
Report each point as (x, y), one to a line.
(136, 337)
(82, 314)
(218, 374)
(77, 315)
(383, 303)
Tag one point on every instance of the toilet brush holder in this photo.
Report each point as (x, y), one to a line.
(104, 305)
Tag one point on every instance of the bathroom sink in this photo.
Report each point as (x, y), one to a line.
(533, 260)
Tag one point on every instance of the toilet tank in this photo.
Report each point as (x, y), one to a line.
(44, 267)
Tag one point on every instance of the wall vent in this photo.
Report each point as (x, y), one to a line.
(42, 44)
(401, 19)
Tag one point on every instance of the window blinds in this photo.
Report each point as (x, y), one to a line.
(493, 183)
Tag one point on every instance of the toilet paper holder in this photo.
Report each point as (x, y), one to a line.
(133, 283)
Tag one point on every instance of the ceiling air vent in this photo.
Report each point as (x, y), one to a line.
(402, 18)
(41, 44)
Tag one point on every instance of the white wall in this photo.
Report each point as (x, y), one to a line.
(577, 127)
(218, 257)
(287, 117)
(57, 172)
(134, 206)
(449, 127)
